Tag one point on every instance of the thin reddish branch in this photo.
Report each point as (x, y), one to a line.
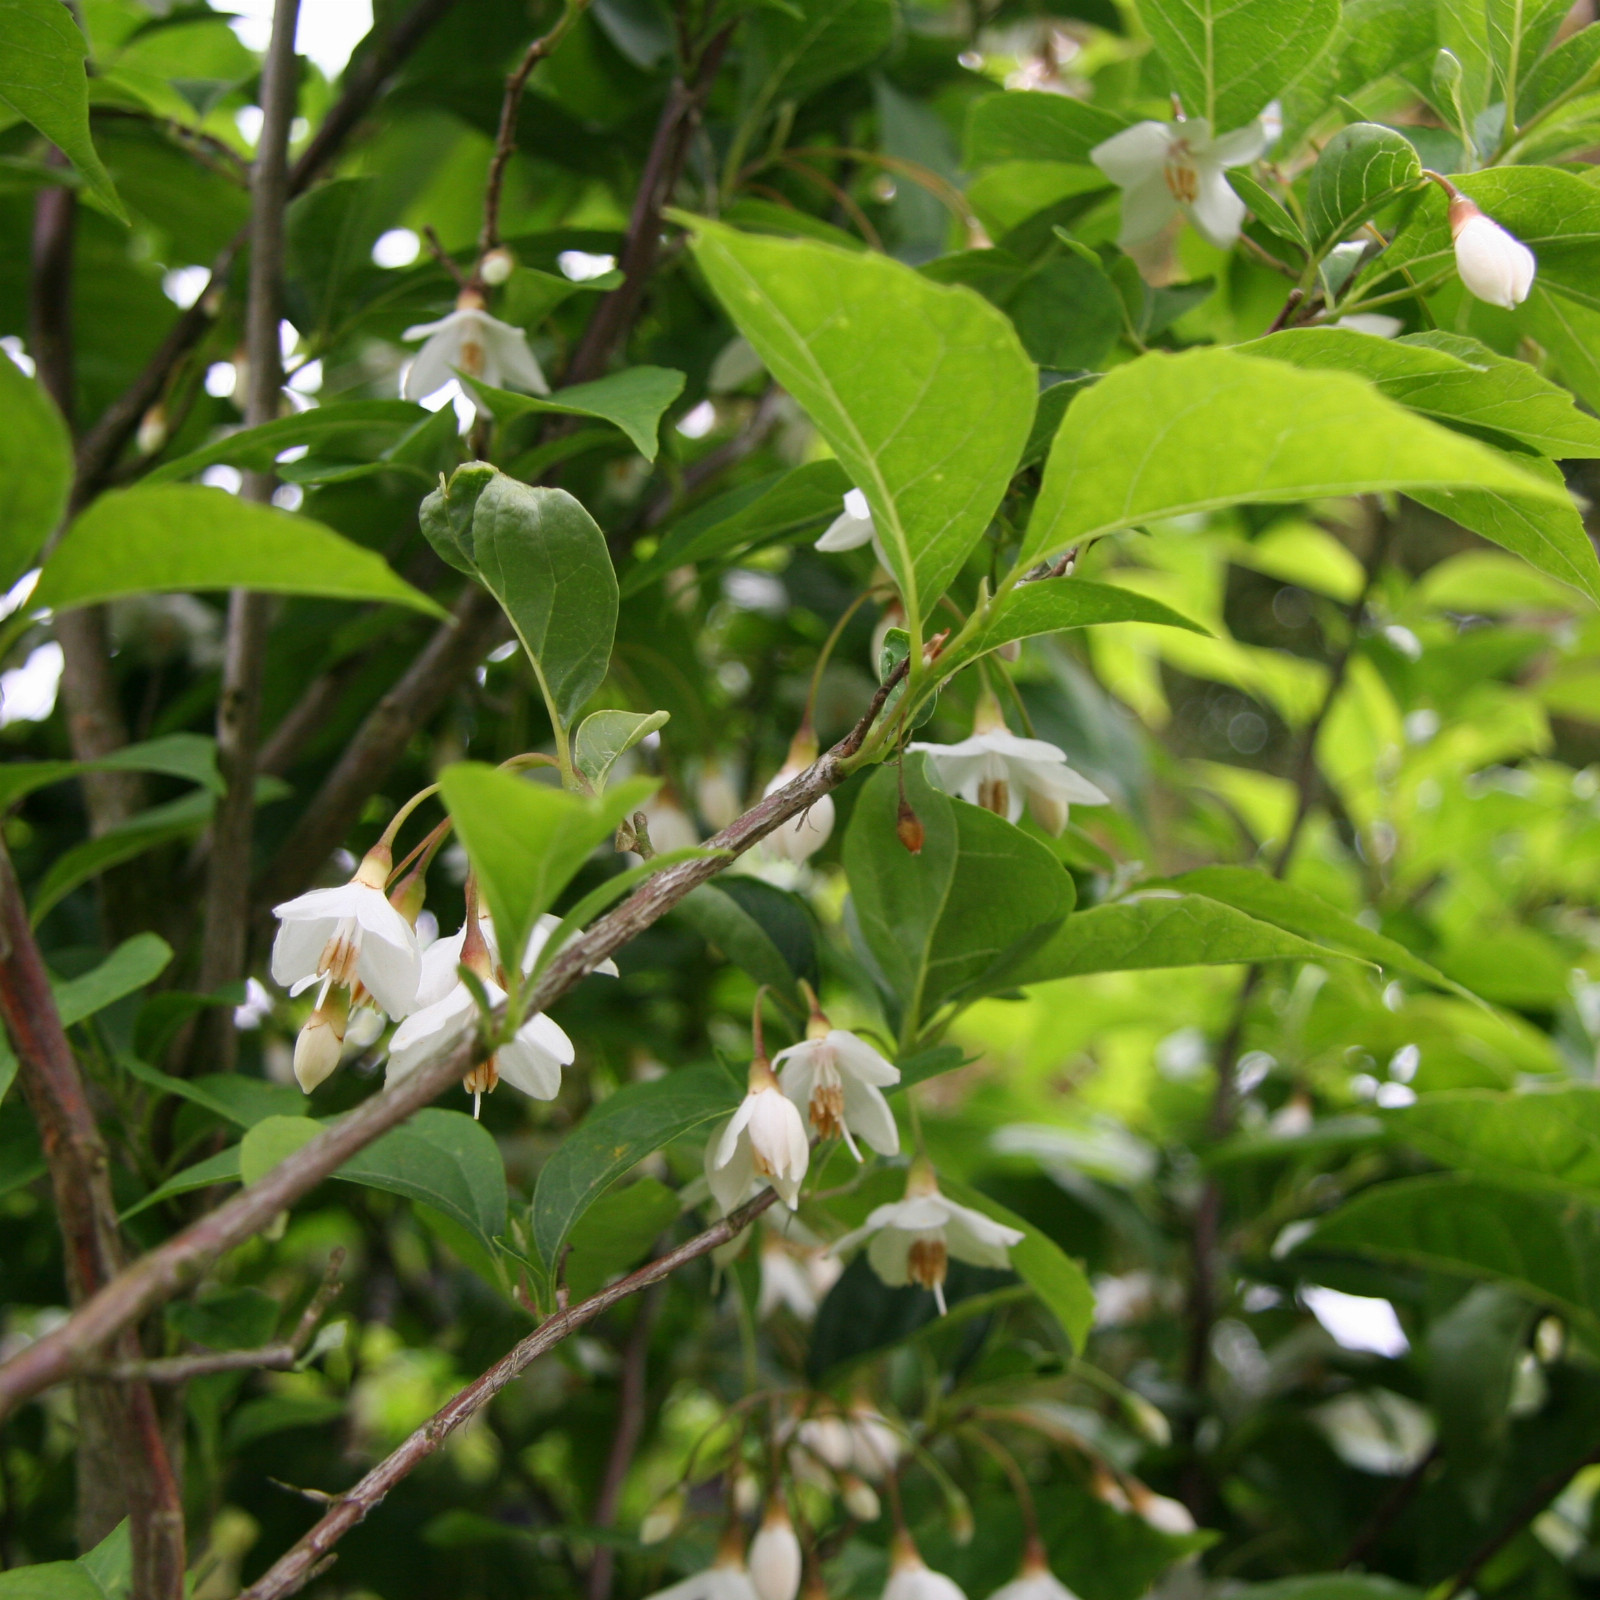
(310, 1555)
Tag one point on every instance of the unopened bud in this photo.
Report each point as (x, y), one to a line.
(152, 430)
(860, 1498)
(908, 827)
(1494, 266)
(661, 1518)
(746, 1491)
(1446, 74)
(321, 1041)
(497, 266)
(774, 1559)
(1160, 1511)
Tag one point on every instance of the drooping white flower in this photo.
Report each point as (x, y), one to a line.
(725, 1579)
(1035, 1580)
(912, 1240)
(876, 1444)
(839, 1080)
(860, 1498)
(1161, 1511)
(999, 771)
(764, 1138)
(852, 528)
(911, 1578)
(469, 340)
(804, 834)
(1171, 169)
(1494, 265)
(794, 1274)
(346, 936)
(441, 959)
(827, 1436)
(774, 1562)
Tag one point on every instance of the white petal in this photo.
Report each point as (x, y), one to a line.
(845, 532)
(1242, 146)
(1494, 266)
(1130, 157)
(736, 1125)
(731, 1179)
(426, 330)
(1217, 212)
(890, 1253)
(434, 366)
(1147, 208)
(857, 1058)
(797, 1070)
(439, 970)
(295, 950)
(549, 1037)
(525, 1065)
(974, 1237)
(428, 1034)
(867, 1115)
(517, 361)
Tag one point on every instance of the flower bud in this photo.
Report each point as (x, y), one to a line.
(860, 1498)
(746, 1487)
(1493, 265)
(152, 433)
(497, 266)
(774, 1560)
(1160, 1511)
(661, 1518)
(908, 828)
(321, 1041)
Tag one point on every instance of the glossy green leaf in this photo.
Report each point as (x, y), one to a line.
(1518, 32)
(792, 51)
(1228, 58)
(1286, 905)
(923, 392)
(959, 919)
(1036, 126)
(35, 463)
(1454, 379)
(182, 536)
(632, 400)
(134, 963)
(176, 755)
(1162, 928)
(1540, 1245)
(1572, 62)
(42, 78)
(527, 840)
(1042, 1264)
(1266, 208)
(1166, 435)
(616, 1233)
(1362, 169)
(617, 1135)
(543, 557)
(767, 931)
(604, 736)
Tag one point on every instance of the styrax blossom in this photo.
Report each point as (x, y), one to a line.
(774, 1561)
(796, 1272)
(349, 935)
(1168, 170)
(764, 1138)
(801, 836)
(998, 770)
(875, 1442)
(321, 1041)
(724, 1579)
(469, 340)
(441, 959)
(860, 1498)
(911, 1578)
(1161, 1511)
(852, 528)
(1035, 1580)
(912, 1240)
(1494, 265)
(839, 1080)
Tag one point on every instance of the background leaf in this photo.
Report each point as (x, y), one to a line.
(35, 451)
(633, 400)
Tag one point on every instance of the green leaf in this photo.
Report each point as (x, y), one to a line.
(1362, 168)
(766, 930)
(42, 78)
(271, 1141)
(958, 919)
(1166, 435)
(1036, 126)
(616, 1232)
(181, 536)
(603, 736)
(51, 1580)
(1287, 906)
(134, 963)
(1228, 58)
(220, 1168)
(542, 556)
(791, 51)
(1518, 32)
(1043, 1265)
(229, 1095)
(257, 449)
(923, 392)
(177, 755)
(1266, 208)
(1542, 1246)
(772, 508)
(1052, 605)
(110, 1563)
(1566, 67)
(616, 1135)
(232, 1319)
(527, 840)
(35, 457)
(1330, 1586)
(633, 401)
(1162, 928)
(1451, 378)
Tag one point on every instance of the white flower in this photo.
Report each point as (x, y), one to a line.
(852, 528)
(828, 1438)
(913, 1239)
(1172, 169)
(1374, 323)
(839, 1080)
(443, 956)
(725, 1579)
(1163, 1513)
(800, 838)
(998, 770)
(1493, 265)
(321, 1041)
(469, 340)
(764, 1138)
(775, 1556)
(910, 1578)
(349, 935)
(876, 1444)
(860, 1498)
(793, 1276)
(1035, 1581)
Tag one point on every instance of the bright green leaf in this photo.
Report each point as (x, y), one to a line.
(35, 456)
(134, 963)
(1037, 126)
(1362, 169)
(632, 400)
(176, 755)
(604, 736)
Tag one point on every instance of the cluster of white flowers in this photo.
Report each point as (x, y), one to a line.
(360, 944)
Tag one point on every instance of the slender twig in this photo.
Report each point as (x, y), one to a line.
(505, 143)
(225, 941)
(295, 1568)
(182, 1260)
(1389, 1508)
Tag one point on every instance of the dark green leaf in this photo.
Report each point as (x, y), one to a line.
(1266, 208)
(791, 52)
(616, 1232)
(177, 755)
(633, 401)
(134, 963)
(231, 1319)
(766, 930)
(35, 452)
